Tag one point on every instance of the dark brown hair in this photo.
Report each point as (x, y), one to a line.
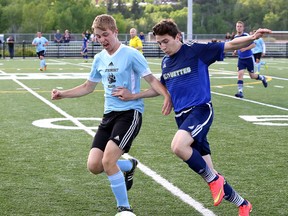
(166, 26)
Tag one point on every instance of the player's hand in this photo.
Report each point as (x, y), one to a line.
(56, 94)
(122, 93)
(260, 32)
(167, 106)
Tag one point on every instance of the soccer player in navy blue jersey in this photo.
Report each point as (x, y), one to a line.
(84, 48)
(116, 65)
(245, 61)
(186, 77)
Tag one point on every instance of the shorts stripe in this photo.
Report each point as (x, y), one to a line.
(131, 130)
(199, 128)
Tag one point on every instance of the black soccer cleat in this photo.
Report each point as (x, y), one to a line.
(129, 174)
(239, 95)
(264, 82)
(123, 209)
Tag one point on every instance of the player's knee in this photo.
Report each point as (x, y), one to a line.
(94, 167)
(107, 164)
(176, 148)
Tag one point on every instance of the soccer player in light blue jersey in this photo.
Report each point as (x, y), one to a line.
(41, 42)
(246, 61)
(186, 77)
(117, 65)
(258, 52)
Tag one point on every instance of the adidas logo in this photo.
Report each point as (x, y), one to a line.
(117, 138)
(111, 64)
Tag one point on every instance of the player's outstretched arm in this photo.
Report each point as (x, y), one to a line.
(240, 42)
(81, 90)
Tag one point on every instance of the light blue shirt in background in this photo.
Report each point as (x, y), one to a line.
(260, 46)
(40, 43)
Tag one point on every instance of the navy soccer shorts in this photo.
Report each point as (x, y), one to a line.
(197, 121)
(121, 127)
(247, 63)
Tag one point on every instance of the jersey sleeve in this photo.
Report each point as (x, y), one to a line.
(95, 75)
(140, 64)
(210, 52)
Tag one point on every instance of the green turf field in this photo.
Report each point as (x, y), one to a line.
(44, 145)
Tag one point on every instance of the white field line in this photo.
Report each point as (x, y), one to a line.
(250, 101)
(166, 184)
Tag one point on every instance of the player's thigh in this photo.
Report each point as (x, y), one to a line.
(181, 139)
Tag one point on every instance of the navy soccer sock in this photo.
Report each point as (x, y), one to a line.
(240, 84)
(198, 164)
(232, 196)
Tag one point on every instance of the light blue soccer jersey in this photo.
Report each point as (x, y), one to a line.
(40, 43)
(260, 46)
(124, 68)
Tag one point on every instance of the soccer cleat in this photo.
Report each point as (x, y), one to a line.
(123, 208)
(41, 69)
(217, 190)
(239, 95)
(129, 174)
(245, 210)
(265, 84)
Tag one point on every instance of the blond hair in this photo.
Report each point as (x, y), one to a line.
(104, 22)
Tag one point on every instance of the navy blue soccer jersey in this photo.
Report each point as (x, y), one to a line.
(246, 53)
(186, 76)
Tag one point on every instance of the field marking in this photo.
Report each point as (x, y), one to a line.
(250, 101)
(159, 179)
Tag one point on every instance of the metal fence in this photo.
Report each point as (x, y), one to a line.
(150, 49)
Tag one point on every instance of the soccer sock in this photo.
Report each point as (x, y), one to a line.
(257, 68)
(240, 84)
(42, 63)
(124, 165)
(260, 77)
(119, 189)
(198, 164)
(232, 196)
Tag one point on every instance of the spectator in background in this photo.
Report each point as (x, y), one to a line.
(66, 36)
(232, 35)
(10, 42)
(227, 37)
(142, 37)
(58, 37)
(135, 41)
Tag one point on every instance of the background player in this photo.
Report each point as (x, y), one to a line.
(41, 42)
